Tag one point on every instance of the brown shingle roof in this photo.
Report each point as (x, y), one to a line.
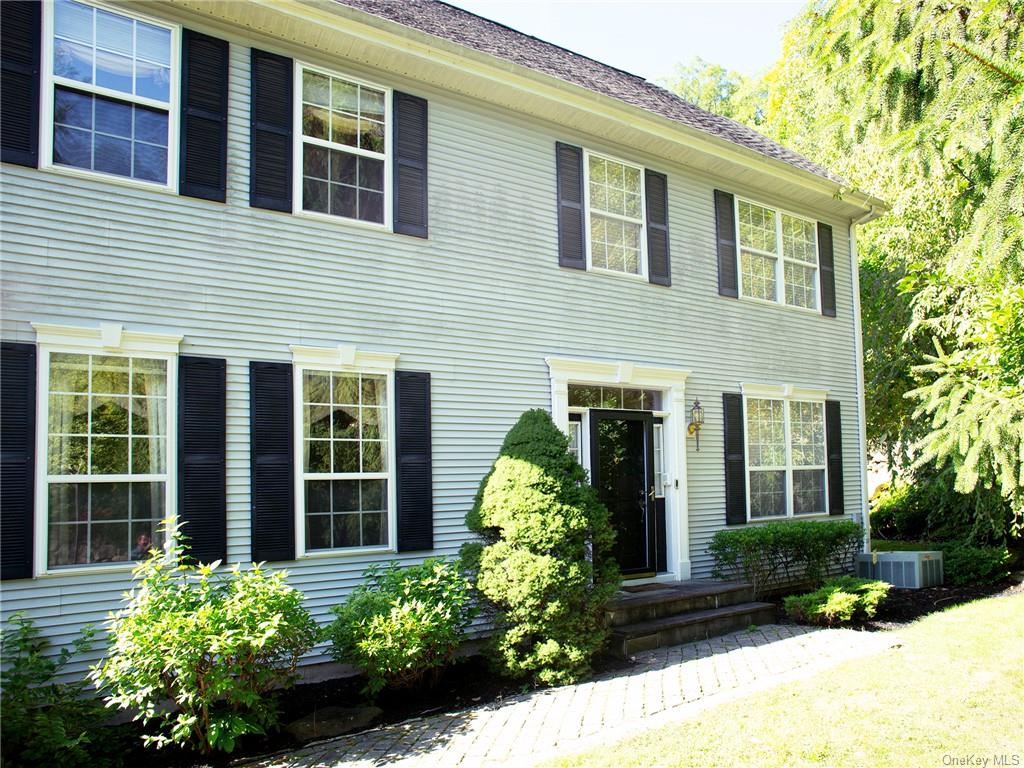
(462, 27)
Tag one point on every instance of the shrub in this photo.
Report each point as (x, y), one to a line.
(402, 622)
(545, 564)
(213, 643)
(44, 722)
(839, 601)
(898, 513)
(926, 504)
(773, 554)
(965, 564)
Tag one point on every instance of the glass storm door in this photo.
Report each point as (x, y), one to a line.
(622, 472)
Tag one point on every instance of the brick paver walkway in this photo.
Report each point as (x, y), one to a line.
(665, 685)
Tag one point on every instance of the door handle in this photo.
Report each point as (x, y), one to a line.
(652, 494)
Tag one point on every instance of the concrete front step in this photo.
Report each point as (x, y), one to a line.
(629, 639)
(673, 598)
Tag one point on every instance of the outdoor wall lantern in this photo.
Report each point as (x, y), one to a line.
(696, 420)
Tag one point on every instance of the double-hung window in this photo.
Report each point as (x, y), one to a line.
(106, 459)
(785, 457)
(343, 167)
(778, 256)
(615, 215)
(111, 92)
(345, 459)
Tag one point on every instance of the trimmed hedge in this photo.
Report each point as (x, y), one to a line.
(840, 601)
(775, 554)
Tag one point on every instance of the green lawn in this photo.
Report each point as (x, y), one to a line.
(955, 687)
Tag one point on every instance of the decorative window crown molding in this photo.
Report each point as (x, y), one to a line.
(614, 372)
(786, 391)
(345, 357)
(107, 337)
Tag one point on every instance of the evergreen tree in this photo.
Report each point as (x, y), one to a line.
(544, 560)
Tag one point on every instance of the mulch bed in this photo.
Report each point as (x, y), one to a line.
(906, 605)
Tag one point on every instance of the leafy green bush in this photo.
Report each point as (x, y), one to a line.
(402, 623)
(774, 554)
(839, 601)
(43, 722)
(545, 564)
(212, 642)
(899, 513)
(925, 504)
(965, 564)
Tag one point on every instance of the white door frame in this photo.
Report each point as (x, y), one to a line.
(672, 383)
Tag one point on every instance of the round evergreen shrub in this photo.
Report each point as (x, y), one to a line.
(544, 562)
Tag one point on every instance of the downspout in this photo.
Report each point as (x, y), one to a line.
(858, 342)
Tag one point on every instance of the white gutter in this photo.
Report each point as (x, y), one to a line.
(858, 343)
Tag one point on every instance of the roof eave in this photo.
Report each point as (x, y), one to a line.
(385, 32)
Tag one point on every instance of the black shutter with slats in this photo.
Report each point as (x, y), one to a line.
(659, 267)
(20, 36)
(204, 116)
(571, 243)
(410, 165)
(17, 452)
(725, 230)
(826, 270)
(271, 462)
(202, 456)
(270, 121)
(735, 463)
(834, 449)
(413, 471)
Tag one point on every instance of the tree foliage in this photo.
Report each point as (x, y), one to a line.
(922, 105)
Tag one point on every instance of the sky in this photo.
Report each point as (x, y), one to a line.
(650, 38)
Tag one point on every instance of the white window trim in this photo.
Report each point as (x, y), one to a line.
(780, 259)
(344, 359)
(49, 82)
(787, 393)
(107, 339)
(587, 154)
(299, 139)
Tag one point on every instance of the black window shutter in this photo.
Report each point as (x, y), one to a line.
(571, 243)
(204, 116)
(410, 165)
(271, 461)
(17, 452)
(415, 488)
(725, 230)
(659, 267)
(826, 270)
(270, 121)
(834, 449)
(735, 460)
(202, 456)
(20, 37)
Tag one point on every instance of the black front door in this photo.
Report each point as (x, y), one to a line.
(622, 472)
